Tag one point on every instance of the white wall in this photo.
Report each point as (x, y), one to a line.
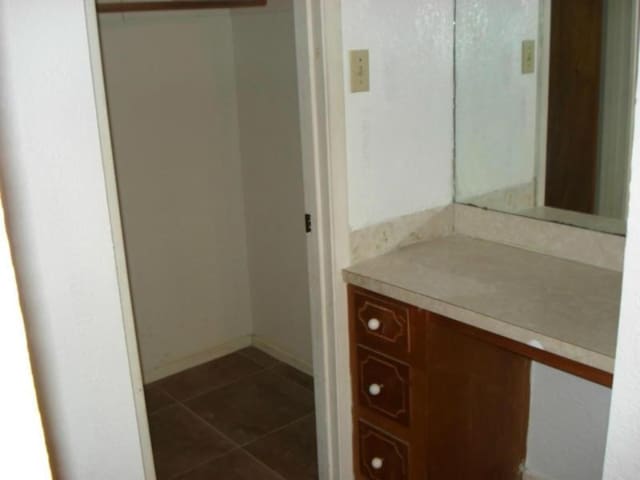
(622, 460)
(400, 134)
(62, 242)
(172, 103)
(264, 43)
(495, 103)
(23, 452)
(567, 426)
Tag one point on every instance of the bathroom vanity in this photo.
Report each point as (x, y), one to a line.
(443, 333)
(455, 308)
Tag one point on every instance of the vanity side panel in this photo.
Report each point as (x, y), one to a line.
(477, 406)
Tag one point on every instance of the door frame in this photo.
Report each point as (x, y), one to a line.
(319, 57)
(542, 107)
(111, 187)
(319, 52)
(622, 95)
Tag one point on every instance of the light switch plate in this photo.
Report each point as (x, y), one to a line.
(359, 60)
(528, 56)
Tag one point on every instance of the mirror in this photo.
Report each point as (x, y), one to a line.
(543, 107)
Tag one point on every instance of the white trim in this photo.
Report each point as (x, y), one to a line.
(118, 239)
(623, 437)
(616, 109)
(199, 358)
(276, 351)
(321, 89)
(337, 236)
(226, 348)
(542, 99)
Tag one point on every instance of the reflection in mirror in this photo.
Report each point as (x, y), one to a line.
(544, 93)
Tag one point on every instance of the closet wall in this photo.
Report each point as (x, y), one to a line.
(186, 165)
(264, 40)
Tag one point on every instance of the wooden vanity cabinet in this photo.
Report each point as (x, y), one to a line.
(432, 400)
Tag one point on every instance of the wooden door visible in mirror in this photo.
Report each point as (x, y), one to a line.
(574, 104)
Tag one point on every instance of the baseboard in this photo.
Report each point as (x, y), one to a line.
(202, 357)
(281, 354)
(226, 348)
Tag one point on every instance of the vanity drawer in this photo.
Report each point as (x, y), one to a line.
(384, 386)
(382, 323)
(382, 457)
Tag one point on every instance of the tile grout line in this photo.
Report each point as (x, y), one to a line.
(239, 447)
(217, 457)
(202, 464)
(163, 408)
(310, 389)
(213, 389)
(183, 404)
(276, 361)
(256, 459)
(224, 385)
(238, 380)
(156, 383)
(276, 364)
(262, 369)
(235, 445)
(278, 429)
(172, 398)
(203, 421)
(242, 445)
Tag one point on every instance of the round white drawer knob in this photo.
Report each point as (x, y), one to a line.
(376, 463)
(373, 324)
(375, 389)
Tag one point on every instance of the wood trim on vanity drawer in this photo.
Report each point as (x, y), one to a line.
(392, 454)
(542, 356)
(399, 328)
(393, 382)
(412, 433)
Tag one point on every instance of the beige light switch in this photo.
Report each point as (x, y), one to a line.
(528, 56)
(359, 60)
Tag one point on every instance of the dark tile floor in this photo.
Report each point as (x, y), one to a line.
(245, 416)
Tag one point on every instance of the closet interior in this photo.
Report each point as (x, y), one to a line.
(203, 111)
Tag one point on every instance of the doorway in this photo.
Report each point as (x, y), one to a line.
(203, 111)
(590, 53)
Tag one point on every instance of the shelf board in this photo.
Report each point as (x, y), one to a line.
(114, 7)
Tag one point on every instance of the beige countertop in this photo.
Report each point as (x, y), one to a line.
(564, 307)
